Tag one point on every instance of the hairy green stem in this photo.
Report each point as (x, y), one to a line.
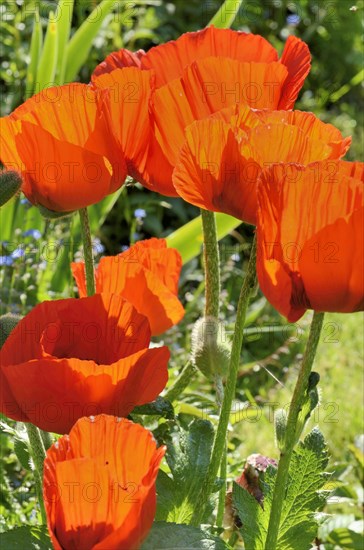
(291, 431)
(222, 493)
(87, 250)
(37, 452)
(212, 264)
(181, 382)
(248, 287)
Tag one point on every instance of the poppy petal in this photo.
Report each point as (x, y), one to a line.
(112, 504)
(294, 217)
(129, 91)
(169, 60)
(212, 172)
(310, 125)
(118, 60)
(146, 275)
(53, 181)
(297, 58)
(56, 392)
(208, 86)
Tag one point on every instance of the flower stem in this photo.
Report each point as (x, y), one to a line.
(87, 250)
(212, 264)
(181, 382)
(291, 430)
(222, 493)
(220, 436)
(37, 452)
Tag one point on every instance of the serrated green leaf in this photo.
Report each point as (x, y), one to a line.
(226, 14)
(160, 407)
(35, 51)
(49, 56)
(28, 536)
(188, 457)
(346, 538)
(188, 239)
(80, 44)
(298, 526)
(170, 536)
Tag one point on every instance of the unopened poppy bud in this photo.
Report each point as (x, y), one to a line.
(10, 183)
(210, 351)
(280, 425)
(7, 323)
(52, 214)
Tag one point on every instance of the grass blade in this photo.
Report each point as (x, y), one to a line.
(64, 14)
(81, 42)
(188, 239)
(48, 60)
(225, 15)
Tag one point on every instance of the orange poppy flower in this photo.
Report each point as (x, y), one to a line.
(310, 237)
(75, 357)
(99, 485)
(223, 155)
(61, 142)
(146, 275)
(201, 73)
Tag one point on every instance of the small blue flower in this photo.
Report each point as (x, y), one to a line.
(293, 19)
(6, 260)
(18, 253)
(35, 233)
(25, 202)
(140, 213)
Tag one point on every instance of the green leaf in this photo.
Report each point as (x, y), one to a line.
(188, 239)
(35, 51)
(22, 452)
(48, 59)
(160, 407)
(80, 44)
(346, 538)
(168, 536)
(226, 14)
(64, 17)
(28, 536)
(298, 525)
(188, 457)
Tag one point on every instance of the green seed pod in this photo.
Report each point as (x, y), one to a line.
(280, 426)
(10, 183)
(210, 351)
(52, 214)
(7, 323)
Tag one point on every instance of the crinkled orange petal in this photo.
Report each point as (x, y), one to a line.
(59, 175)
(111, 464)
(9, 154)
(310, 125)
(56, 392)
(212, 172)
(208, 86)
(73, 113)
(272, 143)
(129, 91)
(322, 202)
(170, 59)
(118, 60)
(146, 275)
(297, 58)
(157, 173)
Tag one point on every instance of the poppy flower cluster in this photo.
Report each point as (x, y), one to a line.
(207, 117)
